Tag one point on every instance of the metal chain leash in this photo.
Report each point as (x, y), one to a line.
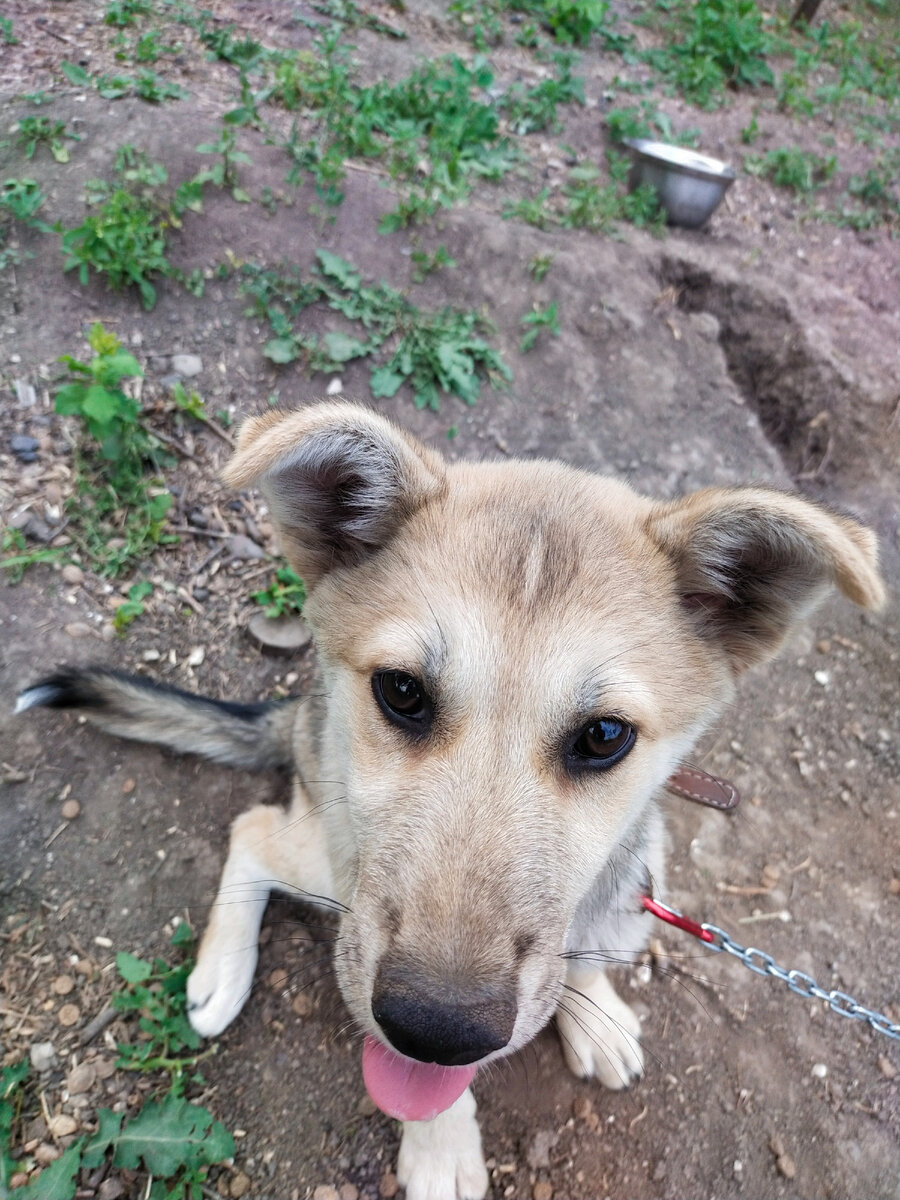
(764, 964)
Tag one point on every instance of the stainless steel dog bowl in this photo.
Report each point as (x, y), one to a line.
(690, 185)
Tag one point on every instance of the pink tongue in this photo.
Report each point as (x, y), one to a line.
(410, 1090)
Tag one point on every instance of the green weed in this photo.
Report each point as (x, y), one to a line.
(133, 607)
(126, 12)
(800, 170)
(286, 593)
(19, 558)
(711, 46)
(224, 174)
(530, 109)
(22, 198)
(120, 511)
(172, 1139)
(539, 266)
(645, 120)
(424, 264)
(538, 320)
(32, 131)
(433, 351)
(575, 22)
(147, 85)
(6, 32)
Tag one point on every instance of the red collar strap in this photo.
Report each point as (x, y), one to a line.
(704, 789)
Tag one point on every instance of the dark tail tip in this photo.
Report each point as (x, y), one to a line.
(69, 688)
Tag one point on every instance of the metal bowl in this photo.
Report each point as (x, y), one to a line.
(690, 186)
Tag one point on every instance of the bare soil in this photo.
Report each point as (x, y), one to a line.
(763, 347)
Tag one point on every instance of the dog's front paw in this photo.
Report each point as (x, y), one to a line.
(600, 1033)
(219, 984)
(442, 1159)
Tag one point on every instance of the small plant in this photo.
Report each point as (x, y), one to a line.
(424, 263)
(223, 174)
(133, 606)
(173, 1139)
(117, 498)
(575, 21)
(536, 322)
(124, 240)
(539, 266)
(800, 170)
(31, 131)
(286, 593)
(22, 198)
(20, 558)
(6, 32)
(126, 12)
(530, 109)
(434, 352)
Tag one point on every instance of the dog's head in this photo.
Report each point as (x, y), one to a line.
(517, 655)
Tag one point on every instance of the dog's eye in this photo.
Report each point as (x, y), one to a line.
(602, 743)
(402, 699)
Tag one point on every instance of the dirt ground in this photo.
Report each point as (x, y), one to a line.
(763, 347)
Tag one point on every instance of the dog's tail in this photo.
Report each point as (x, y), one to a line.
(257, 736)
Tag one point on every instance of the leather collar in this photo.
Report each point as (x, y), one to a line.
(702, 788)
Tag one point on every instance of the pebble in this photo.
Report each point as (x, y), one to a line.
(196, 657)
(70, 810)
(284, 635)
(367, 1106)
(78, 629)
(187, 365)
(886, 1067)
(111, 1189)
(24, 447)
(278, 979)
(42, 1056)
(45, 1154)
(335, 387)
(81, 1079)
(240, 546)
(151, 656)
(72, 574)
(240, 1185)
(820, 1070)
(302, 1005)
(63, 1125)
(582, 1108)
(542, 1190)
(388, 1185)
(18, 1180)
(783, 1161)
(349, 1191)
(822, 678)
(63, 984)
(326, 1192)
(69, 1015)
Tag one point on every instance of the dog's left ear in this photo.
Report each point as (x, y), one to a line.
(750, 563)
(340, 481)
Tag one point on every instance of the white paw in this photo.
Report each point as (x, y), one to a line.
(442, 1159)
(219, 984)
(600, 1034)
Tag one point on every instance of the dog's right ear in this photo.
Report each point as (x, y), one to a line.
(340, 480)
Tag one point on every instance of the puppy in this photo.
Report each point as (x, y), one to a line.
(514, 657)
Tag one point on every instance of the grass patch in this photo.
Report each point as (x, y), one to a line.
(435, 352)
(788, 167)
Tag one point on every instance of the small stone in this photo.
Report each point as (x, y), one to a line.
(38, 530)
(63, 1125)
(72, 574)
(822, 678)
(886, 1067)
(335, 387)
(367, 1106)
(78, 629)
(45, 1154)
(783, 1161)
(63, 984)
(42, 1056)
(542, 1190)
(69, 1015)
(104, 1068)
(326, 1192)
(70, 810)
(894, 887)
(128, 787)
(581, 1108)
(538, 1153)
(21, 445)
(104, 943)
(283, 635)
(278, 979)
(187, 365)
(349, 1191)
(388, 1185)
(819, 1071)
(111, 1189)
(239, 1186)
(196, 657)
(18, 1180)
(302, 1005)
(240, 546)
(81, 1079)
(770, 875)
(151, 655)
(824, 646)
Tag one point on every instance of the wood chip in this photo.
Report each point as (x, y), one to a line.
(69, 1015)
(63, 984)
(239, 1186)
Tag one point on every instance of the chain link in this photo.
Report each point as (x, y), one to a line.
(799, 982)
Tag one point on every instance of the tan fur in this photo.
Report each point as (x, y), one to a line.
(530, 599)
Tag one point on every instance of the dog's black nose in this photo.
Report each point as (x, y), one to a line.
(436, 1022)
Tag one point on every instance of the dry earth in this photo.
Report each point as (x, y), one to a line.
(763, 347)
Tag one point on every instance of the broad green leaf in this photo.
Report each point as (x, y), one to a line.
(341, 348)
(281, 350)
(56, 1182)
(385, 382)
(69, 399)
(108, 1126)
(338, 268)
(183, 935)
(100, 404)
(131, 968)
(75, 74)
(170, 1134)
